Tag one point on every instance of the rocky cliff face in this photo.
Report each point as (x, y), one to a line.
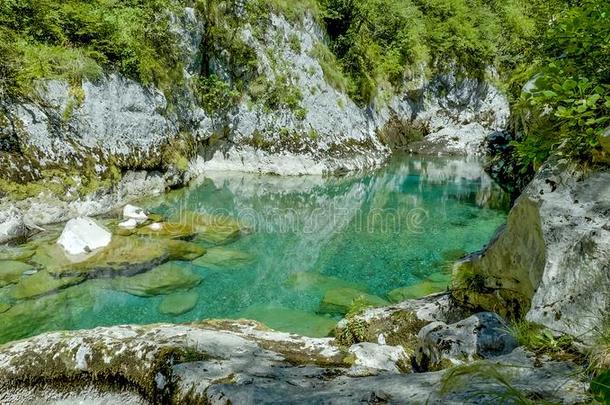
(70, 133)
(551, 261)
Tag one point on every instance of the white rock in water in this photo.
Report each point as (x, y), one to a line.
(82, 235)
(129, 224)
(156, 226)
(133, 212)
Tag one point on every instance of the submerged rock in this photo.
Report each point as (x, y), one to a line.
(179, 303)
(216, 230)
(344, 300)
(42, 283)
(182, 250)
(15, 253)
(83, 235)
(171, 230)
(62, 310)
(483, 335)
(220, 257)
(304, 280)
(291, 320)
(164, 279)
(124, 256)
(11, 271)
(417, 290)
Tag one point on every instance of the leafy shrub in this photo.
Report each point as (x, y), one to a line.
(568, 108)
(382, 41)
(215, 95)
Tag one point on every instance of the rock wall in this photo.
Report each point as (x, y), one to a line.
(114, 126)
(552, 261)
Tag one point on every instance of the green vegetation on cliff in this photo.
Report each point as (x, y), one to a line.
(385, 41)
(77, 39)
(372, 48)
(566, 108)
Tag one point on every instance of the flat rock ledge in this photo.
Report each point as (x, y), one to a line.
(223, 362)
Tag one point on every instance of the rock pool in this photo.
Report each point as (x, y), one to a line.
(306, 251)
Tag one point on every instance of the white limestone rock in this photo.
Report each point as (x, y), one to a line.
(83, 235)
(134, 213)
(372, 358)
(129, 224)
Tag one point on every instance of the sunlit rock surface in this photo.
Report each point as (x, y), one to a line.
(241, 362)
(552, 259)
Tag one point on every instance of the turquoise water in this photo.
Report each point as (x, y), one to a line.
(378, 231)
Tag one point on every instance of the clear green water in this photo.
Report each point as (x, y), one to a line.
(389, 228)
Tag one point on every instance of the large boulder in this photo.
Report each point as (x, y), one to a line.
(178, 303)
(83, 235)
(482, 335)
(552, 260)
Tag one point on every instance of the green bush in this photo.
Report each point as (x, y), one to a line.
(568, 109)
(382, 41)
(215, 95)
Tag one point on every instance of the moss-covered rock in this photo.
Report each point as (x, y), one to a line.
(291, 320)
(216, 230)
(343, 300)
(305, 280)
(178, 303)
(42, 283)
(11, 271)
(164, 279)
(397, 328)
(4, 307)
(182, 250)
(222, 258)
(417, 290)
(124, 256)
(504, 277)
